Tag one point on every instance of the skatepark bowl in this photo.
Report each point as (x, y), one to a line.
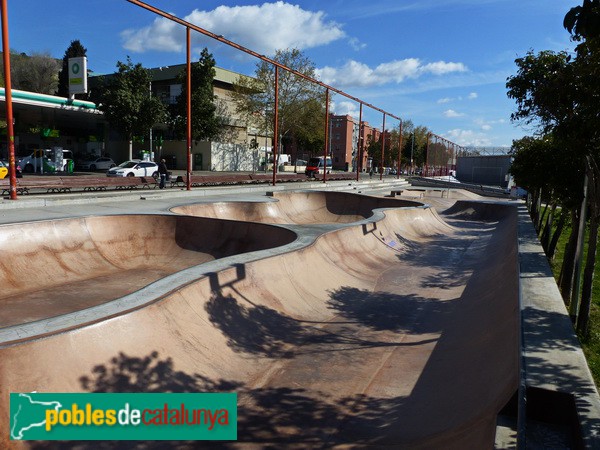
(380, 328)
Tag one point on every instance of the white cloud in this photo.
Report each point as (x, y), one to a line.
(450, 113)
(355, 73)
(345, 107)
(263, 28)
(473, 96)
(486, 125)
(441, 67)
(356, 44)
(468, 138)
(441, 101)
(163, 35)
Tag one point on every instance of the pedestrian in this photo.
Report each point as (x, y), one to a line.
(163, 172)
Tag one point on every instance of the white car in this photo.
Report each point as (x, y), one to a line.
(102, 163)
(41, 164)
(134, 168)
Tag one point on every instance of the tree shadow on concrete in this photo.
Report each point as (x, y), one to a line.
(260, 330)
(270, 418)
(383, 311)
(254, 329)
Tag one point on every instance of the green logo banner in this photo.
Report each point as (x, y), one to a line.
(93, 417)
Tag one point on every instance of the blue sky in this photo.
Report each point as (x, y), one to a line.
(439, 63)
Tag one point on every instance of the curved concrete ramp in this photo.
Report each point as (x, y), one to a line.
(56, 267)
(399, 332)
(306, 207)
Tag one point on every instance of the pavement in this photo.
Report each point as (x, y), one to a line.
(342, 317)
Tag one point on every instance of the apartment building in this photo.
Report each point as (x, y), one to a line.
(344, 143)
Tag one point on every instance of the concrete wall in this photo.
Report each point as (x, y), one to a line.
(488, 170)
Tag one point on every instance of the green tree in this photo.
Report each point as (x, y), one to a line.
(414, 143)
(207, 119)
(542, 89)
(126, 102)
(374, 151)
(301, 102)
(539, 165)
(75, 50)
(583, 22)
(559, 95)
(35, 73)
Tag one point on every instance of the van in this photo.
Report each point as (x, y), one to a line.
(315, 165)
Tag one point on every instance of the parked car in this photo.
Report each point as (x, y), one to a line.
(4, 163)
(134, 168)
(41, 164)
(102, 163)
(314, 166)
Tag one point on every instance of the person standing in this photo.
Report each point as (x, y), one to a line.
(163, 172)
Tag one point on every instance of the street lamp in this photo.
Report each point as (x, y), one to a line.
(412, 147)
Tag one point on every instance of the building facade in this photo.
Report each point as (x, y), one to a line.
(241, 146)
(344, 145)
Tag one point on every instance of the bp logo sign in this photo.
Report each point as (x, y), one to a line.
(78, 75)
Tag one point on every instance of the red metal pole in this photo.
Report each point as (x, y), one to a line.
(223, 40)
(326, 135)
(427, 156)
(382, 148)
(359, 147)
(400, 151)
(276, 125)
(189, 109)
(10, 134)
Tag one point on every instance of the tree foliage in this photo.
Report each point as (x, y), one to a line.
(583, 22)
(414, 143)
(542, 89)
(558, 95)
(301, 103)
(127, 104)
(207, 118)
(75, 50)
(35, 73)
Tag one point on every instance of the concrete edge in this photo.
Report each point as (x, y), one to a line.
(551, 354)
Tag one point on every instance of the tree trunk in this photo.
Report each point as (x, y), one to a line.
(548, 229)
(568, 266)
(593, 173)
(574, 302)
(541, 218)
(533, 208)
(556, 236)
(588, 278)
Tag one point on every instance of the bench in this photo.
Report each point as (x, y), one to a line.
(5, 186)
(179, 181)
(149, 182)
(408, 193)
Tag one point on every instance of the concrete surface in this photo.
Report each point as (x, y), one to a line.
(383, 324)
